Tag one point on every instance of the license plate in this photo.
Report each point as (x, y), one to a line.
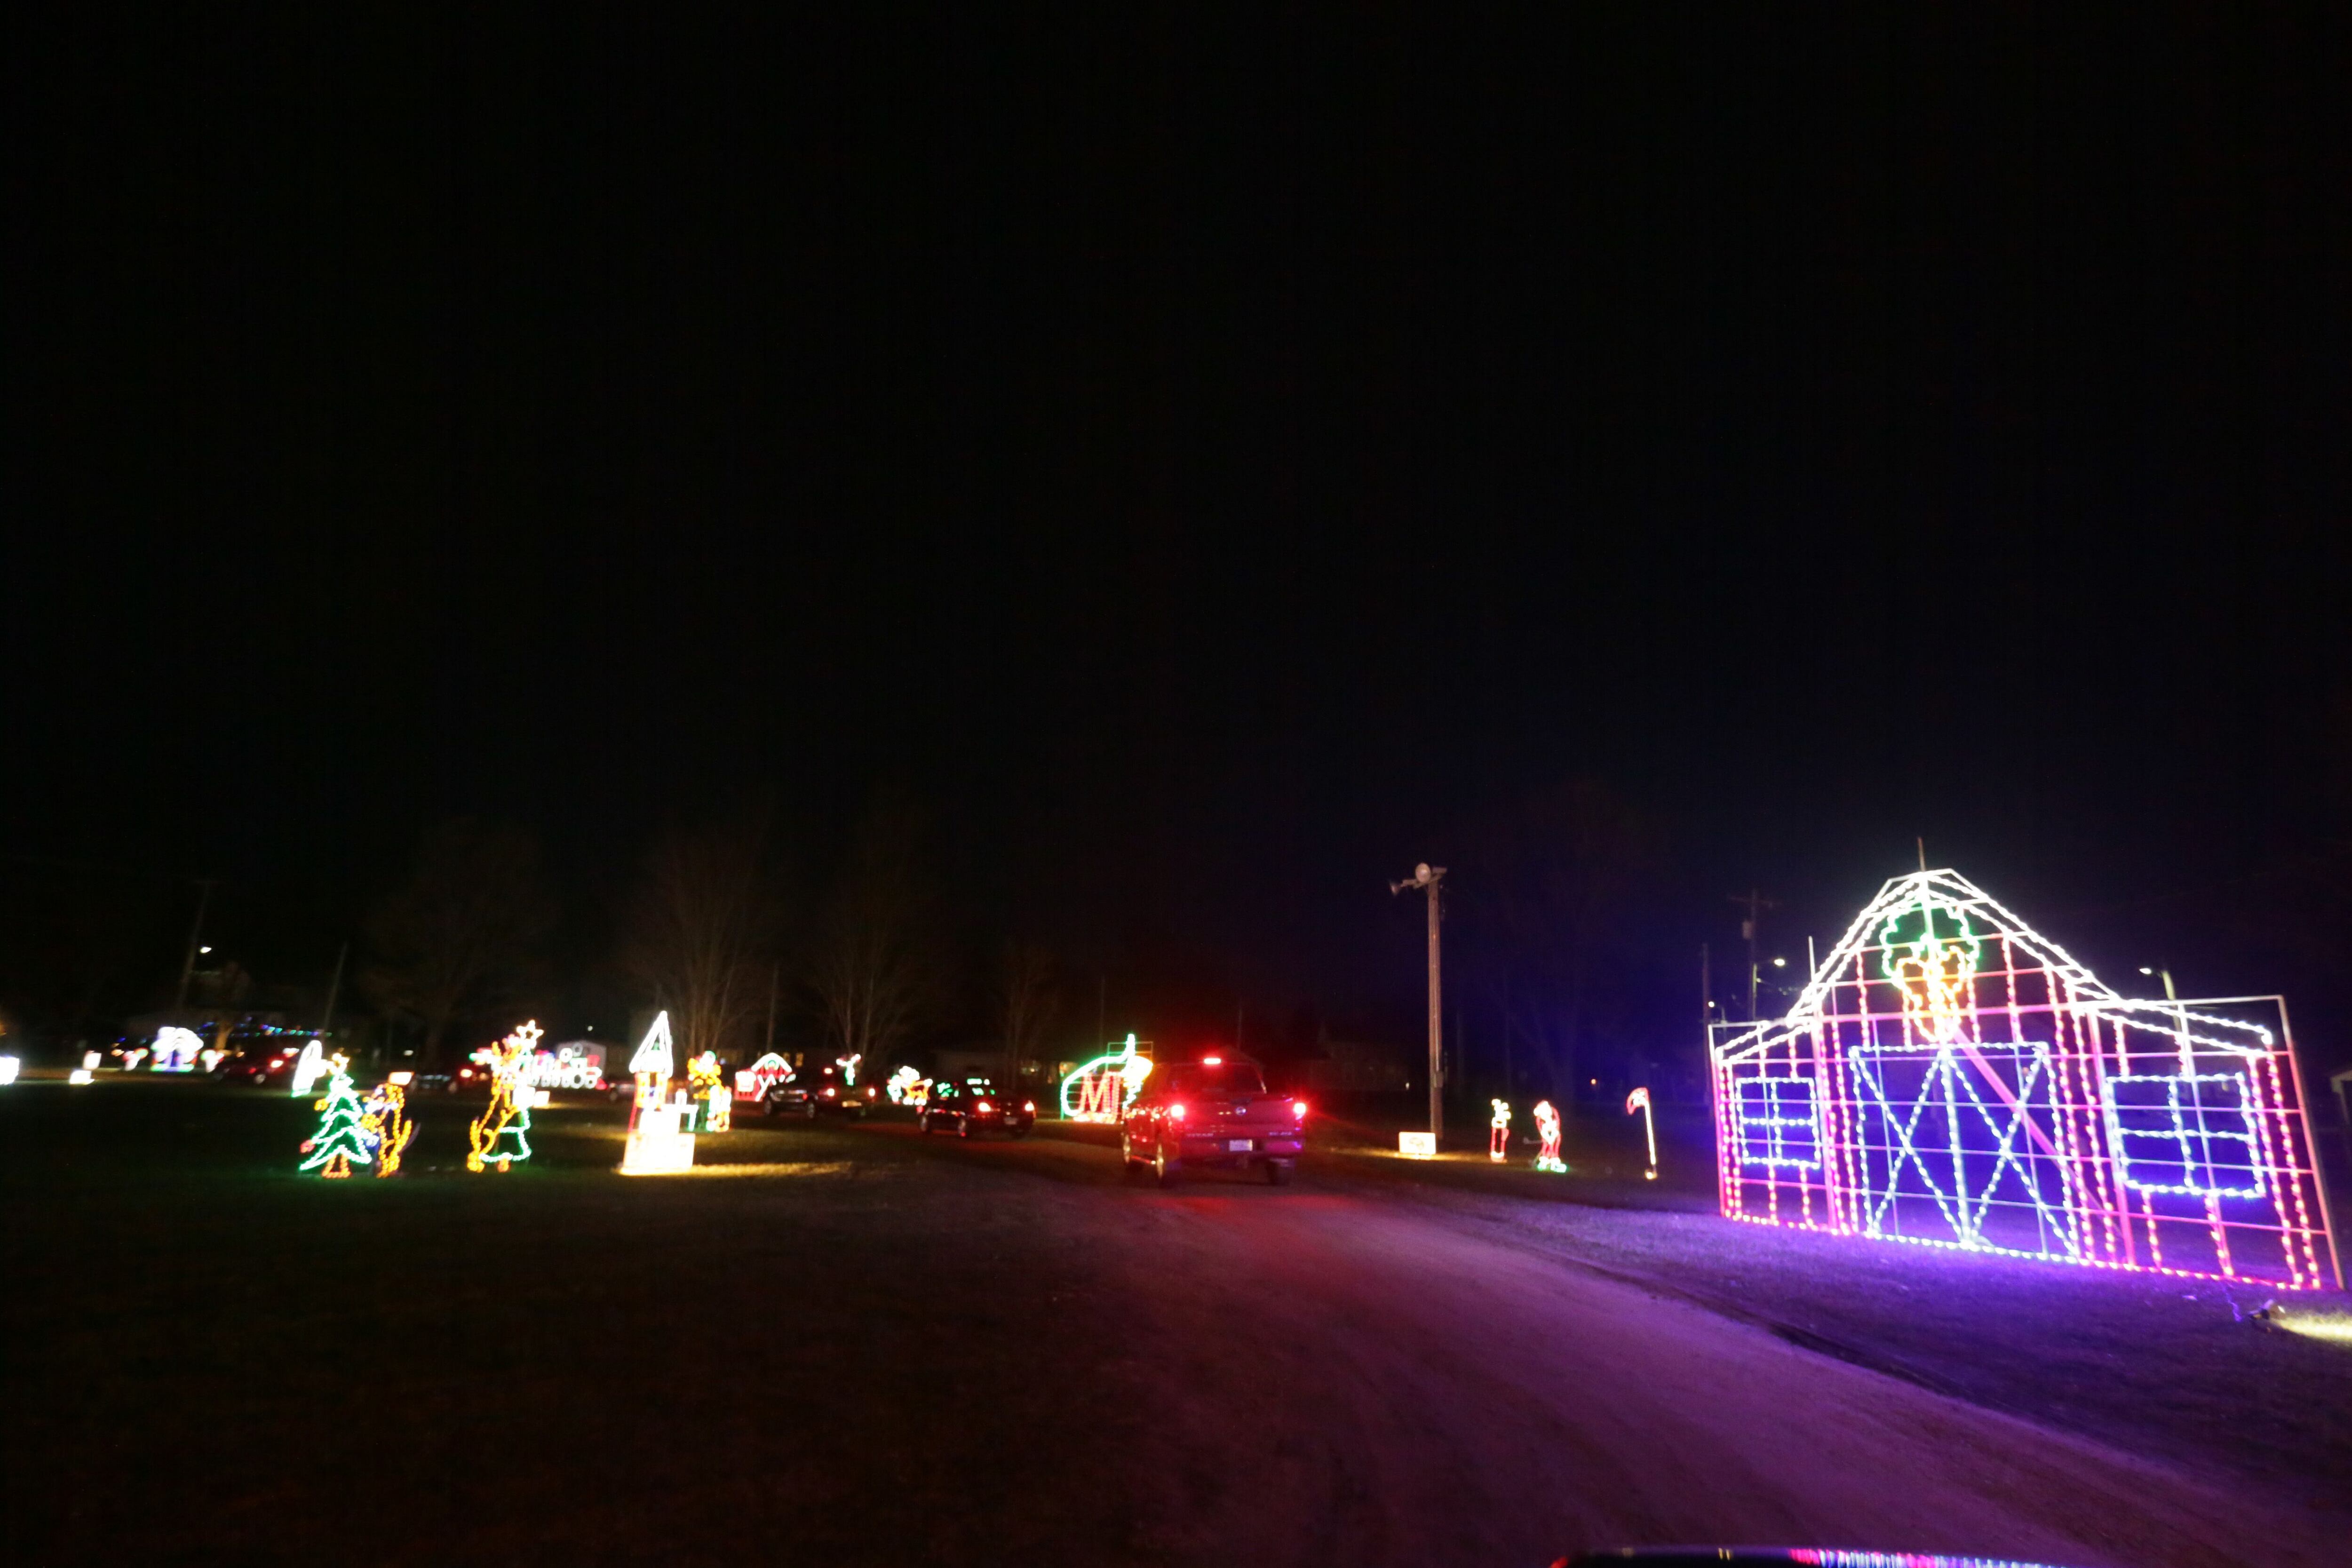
(1237, 1145)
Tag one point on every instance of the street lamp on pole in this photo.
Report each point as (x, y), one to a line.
(1426, 877)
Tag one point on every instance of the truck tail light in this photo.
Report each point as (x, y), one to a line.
(1298, 1110)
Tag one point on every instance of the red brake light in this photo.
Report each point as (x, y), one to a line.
(983, 1108)
(1298, 1109)
(1212, 1061)
(1029, 1105)
(1176, 1112)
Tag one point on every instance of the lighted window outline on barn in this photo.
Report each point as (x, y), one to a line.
(1785, 1105)
(1961, 1062)
(2184, 1138)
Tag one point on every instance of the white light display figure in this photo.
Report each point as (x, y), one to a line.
(176, 1048)
(908, 1086)
(308, 1068)
(661, 1132)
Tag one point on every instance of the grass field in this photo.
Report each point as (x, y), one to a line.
(213, 1358)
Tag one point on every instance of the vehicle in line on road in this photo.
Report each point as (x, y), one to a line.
(816, 1092)
(1211, 1112)
(972, 1106)
(260, 1069)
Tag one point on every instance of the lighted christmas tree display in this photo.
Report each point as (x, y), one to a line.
(341, 1139)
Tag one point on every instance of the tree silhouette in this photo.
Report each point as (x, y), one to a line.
(705, 927)
(460, 935)
(878, 973)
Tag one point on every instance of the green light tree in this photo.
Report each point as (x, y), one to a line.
(339, 1140)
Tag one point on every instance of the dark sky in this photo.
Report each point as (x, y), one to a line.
(1210, 464)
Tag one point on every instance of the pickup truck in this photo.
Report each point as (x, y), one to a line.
(1211, 1112)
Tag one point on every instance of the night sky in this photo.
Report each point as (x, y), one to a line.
(1210, 466)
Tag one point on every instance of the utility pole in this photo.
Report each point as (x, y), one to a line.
(188, 964)
(1426, 877)
(1706, 1006)
(334, 989)
(1749, 930)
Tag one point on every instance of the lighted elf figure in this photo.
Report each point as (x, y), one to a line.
(501, 1135)
(710, 1087)
(1498, 1132)
(1547, 1129)
(386, 1122)
(343, 1135)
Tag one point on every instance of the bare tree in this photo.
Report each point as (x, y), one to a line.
(705, 928)
(461, 934)
(1028, 1001)
(877, 974)
(1555, 881)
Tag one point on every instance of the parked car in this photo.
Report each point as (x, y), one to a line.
(261, 1070)
(1211, 1112)
(816, 1092)
(972, 1106)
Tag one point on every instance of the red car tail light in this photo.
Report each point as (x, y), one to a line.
(1029, 1106)
(983, 1108)
(1176, 1113)
(1298, 1109)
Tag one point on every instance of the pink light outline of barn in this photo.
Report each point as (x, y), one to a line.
(1948, 1077)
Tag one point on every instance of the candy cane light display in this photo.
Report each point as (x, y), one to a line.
(1640, 1100)
(1949, 1077)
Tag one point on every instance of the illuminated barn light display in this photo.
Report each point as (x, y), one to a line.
(1950, 1077)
